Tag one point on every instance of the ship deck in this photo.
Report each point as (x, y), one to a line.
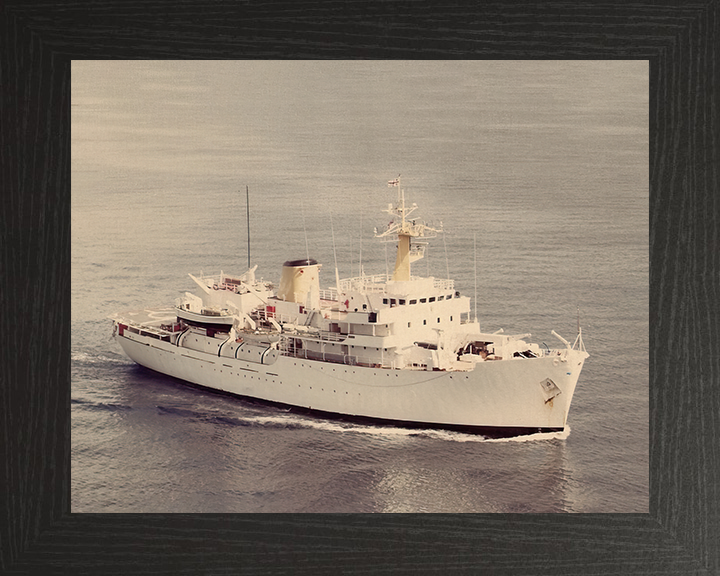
(148, 316)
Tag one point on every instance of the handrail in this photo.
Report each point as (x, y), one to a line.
(367, 283)
(348, 359)
(329, 294)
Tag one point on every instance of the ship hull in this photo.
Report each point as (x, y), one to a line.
(496, 398)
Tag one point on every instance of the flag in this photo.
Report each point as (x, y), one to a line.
(395, 182)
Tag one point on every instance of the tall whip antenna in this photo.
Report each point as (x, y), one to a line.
(352, 257)
(475, 268)
(247, 207)
(447, 265)
(337, 274)
(307, 249)
(360, 264)
(578, 318)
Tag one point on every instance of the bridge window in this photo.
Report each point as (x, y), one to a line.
(413, 301)
(402, 302)
(423, 300)
(432, 299)
(441, 298)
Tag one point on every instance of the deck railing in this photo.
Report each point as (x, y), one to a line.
(377, 283)
(329, 294)
(287, 349)
(366, 283)
(444, 284)
(263, 314)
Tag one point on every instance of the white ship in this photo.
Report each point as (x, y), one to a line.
(391, 349)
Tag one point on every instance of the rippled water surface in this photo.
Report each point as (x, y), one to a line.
(542, 165)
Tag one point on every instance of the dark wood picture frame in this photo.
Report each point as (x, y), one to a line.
(38, 534)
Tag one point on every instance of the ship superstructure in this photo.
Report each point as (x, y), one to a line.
(396, 349)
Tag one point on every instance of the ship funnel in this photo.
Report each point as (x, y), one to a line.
(300, 282)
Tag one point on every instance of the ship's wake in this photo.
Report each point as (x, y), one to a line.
(290, 420)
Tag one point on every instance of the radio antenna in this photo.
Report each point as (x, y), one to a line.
(361, 243)
(247, 206)
(307, 249)
(337, 274)
(447, 264)
(475, 269)
(387, 265)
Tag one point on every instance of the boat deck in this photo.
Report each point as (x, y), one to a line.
(148, 316)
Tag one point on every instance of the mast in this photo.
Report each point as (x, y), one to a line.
(405, 230)
(475, 269)
(247, 206)
(337, 274)
(578, 319)
(402, 261)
